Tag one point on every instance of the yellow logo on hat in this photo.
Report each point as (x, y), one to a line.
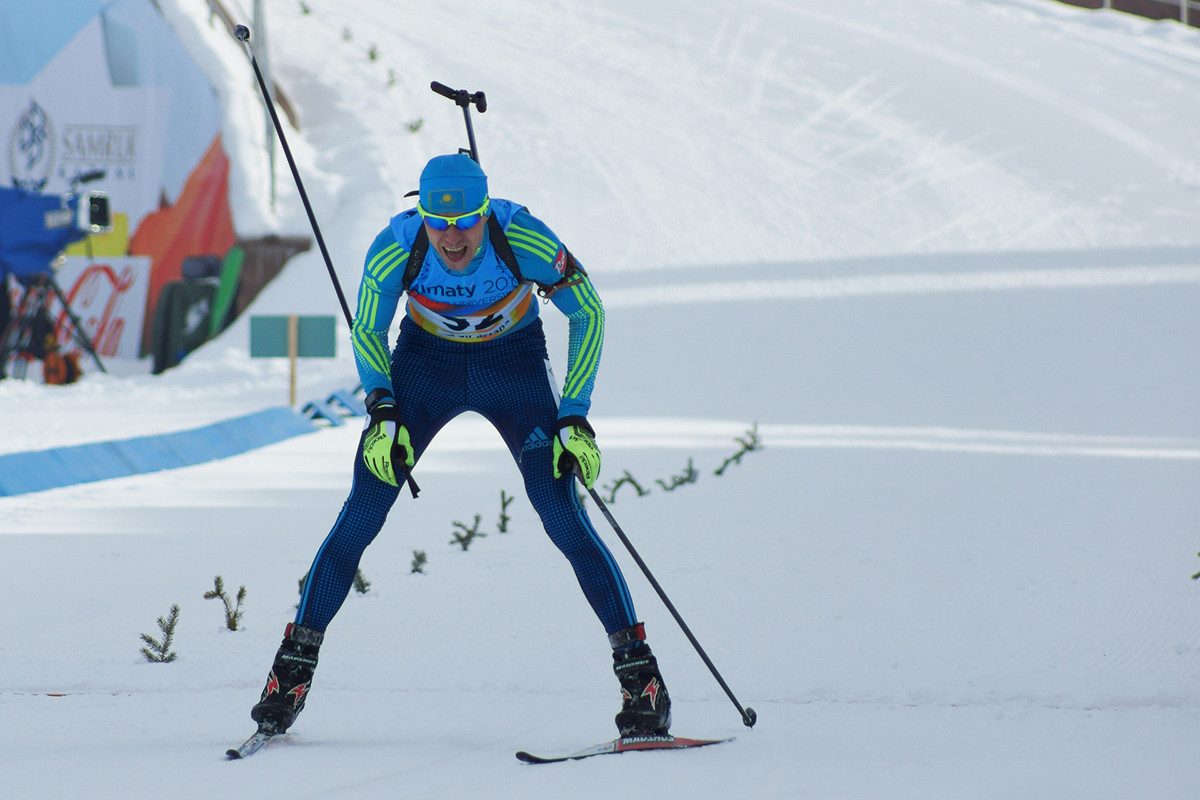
(441, 201)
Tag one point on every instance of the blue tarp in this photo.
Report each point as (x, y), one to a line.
(65, 466)
(33, 230)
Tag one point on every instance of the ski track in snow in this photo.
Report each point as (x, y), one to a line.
(915, 283)
(1185, 169)
(471, 433)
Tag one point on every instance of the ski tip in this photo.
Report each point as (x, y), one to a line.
(252, 745)
(626, 744)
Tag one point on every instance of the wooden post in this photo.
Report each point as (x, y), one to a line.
(293, 328)
(294, 336)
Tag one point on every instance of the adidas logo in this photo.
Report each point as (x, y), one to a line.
(536, 439)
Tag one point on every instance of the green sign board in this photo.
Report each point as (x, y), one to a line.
(315, 337)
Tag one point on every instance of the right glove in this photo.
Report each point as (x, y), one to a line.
(385, 442)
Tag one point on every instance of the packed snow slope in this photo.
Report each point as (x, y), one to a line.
(943, 254)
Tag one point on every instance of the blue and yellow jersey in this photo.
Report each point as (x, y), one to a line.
(482, 303)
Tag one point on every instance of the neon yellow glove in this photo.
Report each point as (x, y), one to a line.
(385, 442)
(575, 450)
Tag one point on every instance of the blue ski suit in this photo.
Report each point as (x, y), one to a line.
(472, 341)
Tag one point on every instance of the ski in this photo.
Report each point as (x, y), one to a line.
(252, 745)
(625, 744)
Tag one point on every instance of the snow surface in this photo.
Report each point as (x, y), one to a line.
(944, 253)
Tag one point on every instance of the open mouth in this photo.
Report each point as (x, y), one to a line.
(455, 253)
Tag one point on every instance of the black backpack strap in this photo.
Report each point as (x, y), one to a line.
(502, 247)
(416, 257)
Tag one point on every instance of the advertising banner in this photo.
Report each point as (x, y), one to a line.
(108, 297)
(71, 121)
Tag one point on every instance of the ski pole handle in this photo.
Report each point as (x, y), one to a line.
(444, 90)
(461, 97)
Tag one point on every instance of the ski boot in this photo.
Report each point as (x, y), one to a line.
(287, 687)
(646, 706)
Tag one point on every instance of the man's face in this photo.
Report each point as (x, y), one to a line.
(457, 247)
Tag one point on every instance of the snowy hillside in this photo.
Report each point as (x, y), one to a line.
(945, 254)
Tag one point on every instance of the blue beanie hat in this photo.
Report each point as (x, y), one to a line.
(453, 185)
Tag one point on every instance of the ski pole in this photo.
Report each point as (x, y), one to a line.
(749, 717)
(463, 99)
(242, 33)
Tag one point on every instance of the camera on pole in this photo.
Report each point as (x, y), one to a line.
(36, 229)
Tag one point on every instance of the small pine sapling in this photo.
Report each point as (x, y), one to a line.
(464, 535)
(414, 125)
(373, 53)
(158, 652)
(361, 584)
(750, 442)
(689, 475)
(418, 562)
(1196, 577)
(233, 609)
(505, 502)
(622, 481)
(304, 9)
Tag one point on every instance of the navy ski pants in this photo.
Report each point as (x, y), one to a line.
(508, 381)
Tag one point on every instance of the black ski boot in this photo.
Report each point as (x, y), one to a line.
(287, 687)
(646, 706)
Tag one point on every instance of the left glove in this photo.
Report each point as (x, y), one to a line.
(385, 442)
(575, 446)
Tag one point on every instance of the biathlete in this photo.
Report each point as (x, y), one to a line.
(471, 340)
